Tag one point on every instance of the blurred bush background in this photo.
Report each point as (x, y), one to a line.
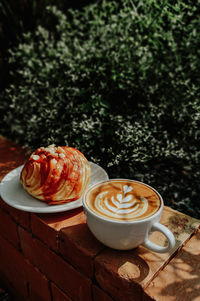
(119, 80)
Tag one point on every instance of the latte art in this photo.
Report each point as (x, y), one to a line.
(123, 200)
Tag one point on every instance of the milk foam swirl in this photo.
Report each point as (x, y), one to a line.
(120, 205)
(123, 202)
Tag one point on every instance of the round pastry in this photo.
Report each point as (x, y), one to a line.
(56, 175)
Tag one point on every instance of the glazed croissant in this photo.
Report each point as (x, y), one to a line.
(56, 175)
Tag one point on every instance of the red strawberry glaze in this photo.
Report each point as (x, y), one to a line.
(51, 174)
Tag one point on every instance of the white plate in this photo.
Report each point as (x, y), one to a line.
(13, 193)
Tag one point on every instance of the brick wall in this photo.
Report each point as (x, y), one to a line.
(55, 257)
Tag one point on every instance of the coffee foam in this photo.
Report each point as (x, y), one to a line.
(123, 200)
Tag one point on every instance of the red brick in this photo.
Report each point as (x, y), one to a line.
(58, 295)
(45, 233)
(183, 226)
(21, 275)
(4, 206)
(37, 283)
(13, 269)
(124, 274)
(21, 217)
(110, 274)
(77, 286)
(180, 279)
(14, 294)
(47, 226)
(76, 243)
(99, 294)
(12, 156)
(79, 246)
(8, 228)
(58, 221)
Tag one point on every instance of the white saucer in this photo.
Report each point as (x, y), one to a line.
(13, 193)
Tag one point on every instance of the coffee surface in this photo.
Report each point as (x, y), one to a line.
(123, 200)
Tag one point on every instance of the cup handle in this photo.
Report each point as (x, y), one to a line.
(168, 234)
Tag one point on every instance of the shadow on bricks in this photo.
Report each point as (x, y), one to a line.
(186, 275)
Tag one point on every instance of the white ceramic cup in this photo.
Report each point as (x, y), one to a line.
(126, 235)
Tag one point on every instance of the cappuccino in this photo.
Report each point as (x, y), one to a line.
(123, 200)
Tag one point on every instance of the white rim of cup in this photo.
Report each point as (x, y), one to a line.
(119, 221)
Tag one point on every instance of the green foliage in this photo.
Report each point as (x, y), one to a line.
(119, 80)
(20, 16)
